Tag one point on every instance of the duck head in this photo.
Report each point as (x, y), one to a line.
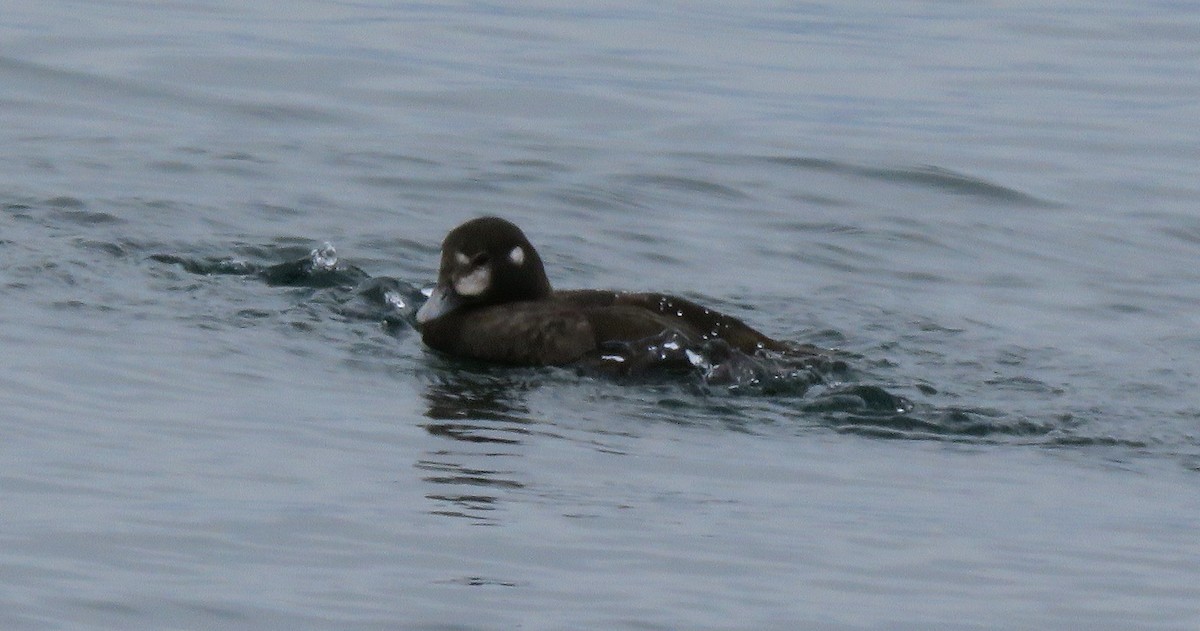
(485, 261)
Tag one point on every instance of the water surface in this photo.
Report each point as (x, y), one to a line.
(988, 211)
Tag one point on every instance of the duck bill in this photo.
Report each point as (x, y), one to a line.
(443, 300)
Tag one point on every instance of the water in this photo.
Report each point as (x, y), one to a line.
(990, 211)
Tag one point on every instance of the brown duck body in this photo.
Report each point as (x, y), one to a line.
(493, 302)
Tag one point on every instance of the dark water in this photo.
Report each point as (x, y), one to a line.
(989, 211)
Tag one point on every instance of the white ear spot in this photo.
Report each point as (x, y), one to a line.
(462, 259)
(517, 256)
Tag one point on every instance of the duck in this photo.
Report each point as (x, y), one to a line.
(493, 302)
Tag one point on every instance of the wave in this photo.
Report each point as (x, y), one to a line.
(829, 389)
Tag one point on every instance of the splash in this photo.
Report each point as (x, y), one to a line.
(713, 365)
(323, 258)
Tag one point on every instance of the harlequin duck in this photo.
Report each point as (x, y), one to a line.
(493, 302)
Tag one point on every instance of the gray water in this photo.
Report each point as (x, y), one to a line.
(989, 211)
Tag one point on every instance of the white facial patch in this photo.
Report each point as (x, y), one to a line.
(517, 256)
(462, 259)
(474, 283)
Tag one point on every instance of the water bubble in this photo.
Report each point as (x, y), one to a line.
(233, 266)
(394, 300)
(323, 258)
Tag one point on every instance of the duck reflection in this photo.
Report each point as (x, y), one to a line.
(484, 417)
(477, 408)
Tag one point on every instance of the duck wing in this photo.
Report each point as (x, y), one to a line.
(647, 313)
(530, 333)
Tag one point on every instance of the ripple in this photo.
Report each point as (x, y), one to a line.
(428, 185)
(479, 404)
(957, 183)
(952, 424)
(334, 289)
(934, 177)
(602, 199)
(687, 185)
